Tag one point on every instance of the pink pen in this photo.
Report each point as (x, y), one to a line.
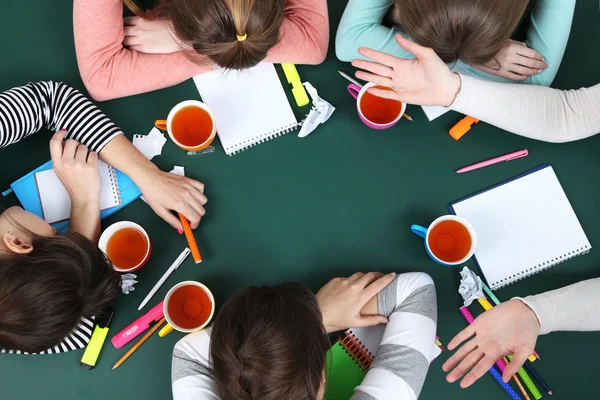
(138, 326)
(506, 157)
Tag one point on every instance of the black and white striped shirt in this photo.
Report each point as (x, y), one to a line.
(53, 105)
(78, 339)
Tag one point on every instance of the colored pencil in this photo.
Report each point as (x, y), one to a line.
(138, 344)
(349, 78)
(538, 378)
(528, 382)
(507, 388)
(189, 236)
(518, 383)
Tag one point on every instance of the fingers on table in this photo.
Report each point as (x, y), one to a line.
(374, 67)
(459, 355)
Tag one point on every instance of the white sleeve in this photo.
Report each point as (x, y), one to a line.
(536, 112)
(190, 373)
(571, 308)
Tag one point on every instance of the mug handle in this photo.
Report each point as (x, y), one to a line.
(161, 124)
(419, 230)
(165, 330)
(354, 90)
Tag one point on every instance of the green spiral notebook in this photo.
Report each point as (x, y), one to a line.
(349, 359)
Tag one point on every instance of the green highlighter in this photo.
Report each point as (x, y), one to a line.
(92, 350)
(343, 373)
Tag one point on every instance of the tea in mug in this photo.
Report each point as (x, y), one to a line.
(127, 248)
(192, 126)
(450, 241)
(189, 307)
(379, 110)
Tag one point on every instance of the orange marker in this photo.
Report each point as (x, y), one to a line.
(189, 235)
(462, 127)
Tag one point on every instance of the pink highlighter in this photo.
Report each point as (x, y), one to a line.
(138, 326)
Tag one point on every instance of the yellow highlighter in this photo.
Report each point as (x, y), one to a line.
(92, 350)
(291, 73)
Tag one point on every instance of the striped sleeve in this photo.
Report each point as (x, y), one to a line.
(53, 105)
(190, 371)
(402, 360)
(78, 339)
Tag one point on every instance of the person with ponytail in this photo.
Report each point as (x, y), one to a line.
(473, 37)
(181, 38)
(270, 342)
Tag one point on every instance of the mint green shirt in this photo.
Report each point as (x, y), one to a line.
(548, 33)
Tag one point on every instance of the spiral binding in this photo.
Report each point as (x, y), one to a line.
(541, 267)
(114, 184)
(246, 144)
(355, 349)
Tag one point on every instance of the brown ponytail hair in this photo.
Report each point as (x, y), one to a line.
(234, 34)
(471, 30)
(269, 343)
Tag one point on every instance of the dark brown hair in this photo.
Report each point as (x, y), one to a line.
(269, 343)
(212, 27)
(44, 294)
(471, 30)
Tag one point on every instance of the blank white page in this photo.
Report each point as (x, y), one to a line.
(523, 227)
(250, 106)
(56, 203)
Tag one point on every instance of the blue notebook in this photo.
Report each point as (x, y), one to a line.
(27, 193)
(524, 226)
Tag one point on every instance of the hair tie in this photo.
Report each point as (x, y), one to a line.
(241, 38)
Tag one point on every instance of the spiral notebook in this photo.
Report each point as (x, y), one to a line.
(349, 359)
(523, 226)
(27, 192)
(56, 203)
(250, 106)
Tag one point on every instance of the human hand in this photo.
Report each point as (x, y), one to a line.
(514, 61)
(165, 192)
(425, 80)
(150, 36)
(509, 328)
(341, 300)
(77, 169)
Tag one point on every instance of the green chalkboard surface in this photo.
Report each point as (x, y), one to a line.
(337, 202)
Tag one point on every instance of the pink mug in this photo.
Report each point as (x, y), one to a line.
(357, 92)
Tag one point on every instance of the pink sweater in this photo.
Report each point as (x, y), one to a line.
(109, 70)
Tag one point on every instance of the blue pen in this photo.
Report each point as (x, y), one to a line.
(511, 392)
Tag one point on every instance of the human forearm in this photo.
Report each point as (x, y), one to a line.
(535, 112)
(124, 156)
(85, 219)
(548, 34)
(572, 308)
(107, 68)
(402, 360)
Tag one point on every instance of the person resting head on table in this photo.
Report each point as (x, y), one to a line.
(270, 342)
(49, 282)
(535, 112)
(179, 39)
(470, 35)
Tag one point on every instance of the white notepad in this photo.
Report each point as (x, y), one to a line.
(250, 106)
(56, 203)
(523, 226)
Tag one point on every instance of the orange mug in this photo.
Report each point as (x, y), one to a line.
(190, 125)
